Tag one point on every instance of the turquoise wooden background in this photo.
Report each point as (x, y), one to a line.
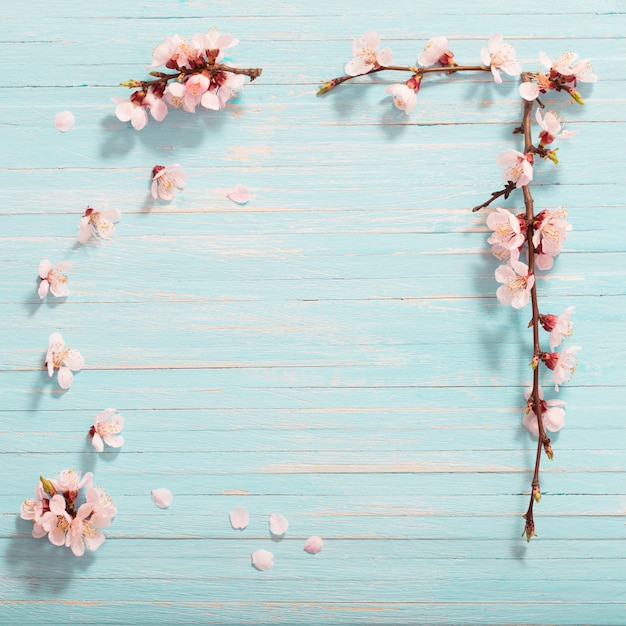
(332, 351)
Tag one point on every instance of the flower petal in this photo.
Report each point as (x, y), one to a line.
(262, 560)
(44, 287)
(314, 544)
(240, 194)
(65, 378)
(239, 518)
(97, 442)
(278, 524)
(529, 91)
(162, 498)
(44, 268)
(115, 441)
(74, 360)
(64, 121)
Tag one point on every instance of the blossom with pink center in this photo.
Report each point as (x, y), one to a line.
(518, 167)
(222, 90)
(53, 279)
(404, 98)
(106, 428)
(103, 508)
(552, 414)
(134, 109)
(366, 54)
(558, 327)
(173, 52)
(569, 67)
(507, 230)
(563, 364)
(436, 51)
(213, 44)
(34, 510)
(100, 223)
(61, 357)
(83, 532)
(551, 128)
(70, 481)
(190, 92)
(165, 181)
(551, 230)
(56, 522)
(517, 283)
(500, 56)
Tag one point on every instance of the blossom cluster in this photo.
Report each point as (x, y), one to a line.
(65, 515)
(199, 78)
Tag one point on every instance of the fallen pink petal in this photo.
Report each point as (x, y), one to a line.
(278, 524)
(162, 498)
(262, 560)
(314, 545)
(239, 194)
(239, 518)
(64, 121)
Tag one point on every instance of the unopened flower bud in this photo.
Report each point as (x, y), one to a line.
(576, 95)
(534, 362)
(414, 82)
(536, 493)
(529, 528)
(550, 359)
(547, 448)
(447, 59)
(548, 322)
(47, 485)
(131, 84)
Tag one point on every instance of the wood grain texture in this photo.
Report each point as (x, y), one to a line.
(332, 351)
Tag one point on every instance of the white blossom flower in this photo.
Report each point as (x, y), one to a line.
(56, 522)
(518, 167)
(190, 92)
(500, 56)
(106, 428)
(218, 95)
(435, 49)
(83, 532)
(551, 230)
(517, 284)
(53, 279)
(404, 98)
(60, 357)
(551, 128)
(213, 44)
(568, 66)
(507, 230)
(165, 181)
(552, 414)
(558, 327)
(101, 223)
(563, 364)
(366, 55)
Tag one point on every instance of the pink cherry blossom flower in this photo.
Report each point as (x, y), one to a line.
(239, 194)
(518, 167)
(551, 128)
(551, 230)
(106, 428)
(129, 110)
(213, 44)
(517, 284)
(366, 55)
(558, 327)
(56, 522)
(507, 230)
(162, 498)
(53, 279)
(173, 52)
(70, 481)
(278, 524)
(262, 560)
(83, 532)
(436, 51)
(100, 223)
(552, 414)
(103, 509)
(64, 121)
(165, 181)
(567, 66)
(61, 357)
(563, 364)
(500, 56)
(314, 545)
(190, 92)
(34, 510)
(239, 518)
(223, 88)
(404, 98)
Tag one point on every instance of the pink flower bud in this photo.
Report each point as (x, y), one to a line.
(548, 322)
(551, 359)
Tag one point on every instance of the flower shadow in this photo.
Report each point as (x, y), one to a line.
(44, 569)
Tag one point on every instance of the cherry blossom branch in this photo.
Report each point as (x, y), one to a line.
(416, 71)
(541, 234)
